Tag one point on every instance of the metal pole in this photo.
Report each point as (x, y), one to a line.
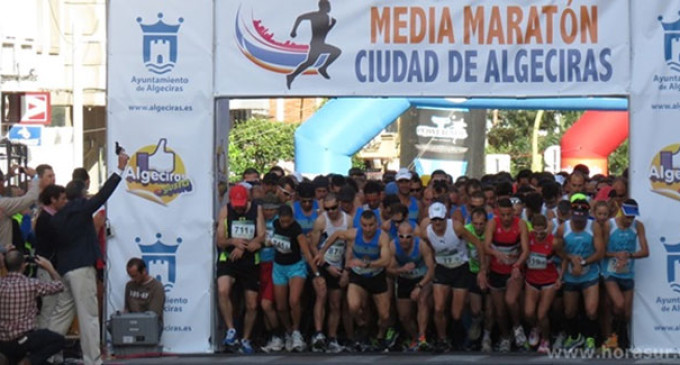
(77, 53)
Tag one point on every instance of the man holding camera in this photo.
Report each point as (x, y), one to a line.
(10, 206)
(77, 253)
(19, 309)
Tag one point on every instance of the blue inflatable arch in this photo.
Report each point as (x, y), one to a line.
(328, 140)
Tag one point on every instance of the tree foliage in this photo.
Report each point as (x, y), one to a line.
(259, 143)
(512, 135)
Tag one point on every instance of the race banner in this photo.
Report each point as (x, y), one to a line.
(428, 48)
(160, 110)
(655, 170)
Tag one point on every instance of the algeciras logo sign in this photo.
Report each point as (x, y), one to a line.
(160, 259)
(160, 44)
(155, 172)
(664, 172)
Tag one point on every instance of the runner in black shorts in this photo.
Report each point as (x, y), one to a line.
(240, 234)
(413, 265)
(367, 255)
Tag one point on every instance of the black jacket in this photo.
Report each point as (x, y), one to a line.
(78, 245)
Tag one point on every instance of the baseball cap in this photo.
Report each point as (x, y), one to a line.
(403, 174)
(271, 201)
(630, 208)
(437, 210)
(391, 188)
(578, 196)
(238, 196)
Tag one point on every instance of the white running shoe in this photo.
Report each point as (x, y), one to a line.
(275, 344)
(299, 344)
(504, 345)
(520, 337)
(288, 342)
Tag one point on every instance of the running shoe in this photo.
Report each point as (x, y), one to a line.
(612, 342)
(299, 344)
(230, 339)
(475, 330)
(572, 343)
(544, 347)
(559, 341)
(505, 345)
(246, 347)
(534, 337)
(520, 337)
(319, 342)
(275, 344)
(486, 344)
(334, 347)
(590, 343)
(391, 337)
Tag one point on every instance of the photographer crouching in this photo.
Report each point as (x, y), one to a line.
(20, 341)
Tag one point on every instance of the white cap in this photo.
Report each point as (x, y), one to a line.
(403, 174)
(298, 177)
(437, 210)
(246, 185)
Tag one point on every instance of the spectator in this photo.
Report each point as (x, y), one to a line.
(20, 340)
(143, 293)
(77, 253)
(53, 198)
(12, 206)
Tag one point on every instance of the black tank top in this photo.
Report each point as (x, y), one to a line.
(242, 226)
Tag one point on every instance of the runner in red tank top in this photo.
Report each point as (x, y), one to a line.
(506, 241)
(542, 282)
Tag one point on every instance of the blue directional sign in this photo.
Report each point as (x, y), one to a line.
(29, 135)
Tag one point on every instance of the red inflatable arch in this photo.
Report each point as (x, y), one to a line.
(592, 139)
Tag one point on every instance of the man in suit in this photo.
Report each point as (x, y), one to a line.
(77, 253)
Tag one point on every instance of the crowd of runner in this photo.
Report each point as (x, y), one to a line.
(409, 263)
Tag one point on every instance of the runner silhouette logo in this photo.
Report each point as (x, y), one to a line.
(260, 46)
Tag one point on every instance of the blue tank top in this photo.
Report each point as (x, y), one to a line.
(357, 216)
(267, 252)
(413, 210)
(625, 240)
(305, 221)
(415, 257)
(370, 251)
(581, 244)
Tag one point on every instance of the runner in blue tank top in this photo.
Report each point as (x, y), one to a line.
(627, 242)
(583, 245)
(403, 179)
(306, 208)
(366, 257)
(413, 265)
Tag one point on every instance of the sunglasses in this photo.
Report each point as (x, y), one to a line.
(306, 201)
(418, 190)
(331, 208)
(286, 192)
(405, 236)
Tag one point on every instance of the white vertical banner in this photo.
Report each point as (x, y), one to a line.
(655, 170)
(160, 109)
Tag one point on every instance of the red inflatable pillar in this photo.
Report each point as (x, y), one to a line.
(592, 139)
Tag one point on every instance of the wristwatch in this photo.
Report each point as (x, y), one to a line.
(583, 262)
(317, 274)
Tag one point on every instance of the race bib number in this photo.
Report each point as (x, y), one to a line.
(537, 261)
(612, 266)
(451, 260)
(281, 243)
(511, 251)
(335, 254)
(243, 229)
